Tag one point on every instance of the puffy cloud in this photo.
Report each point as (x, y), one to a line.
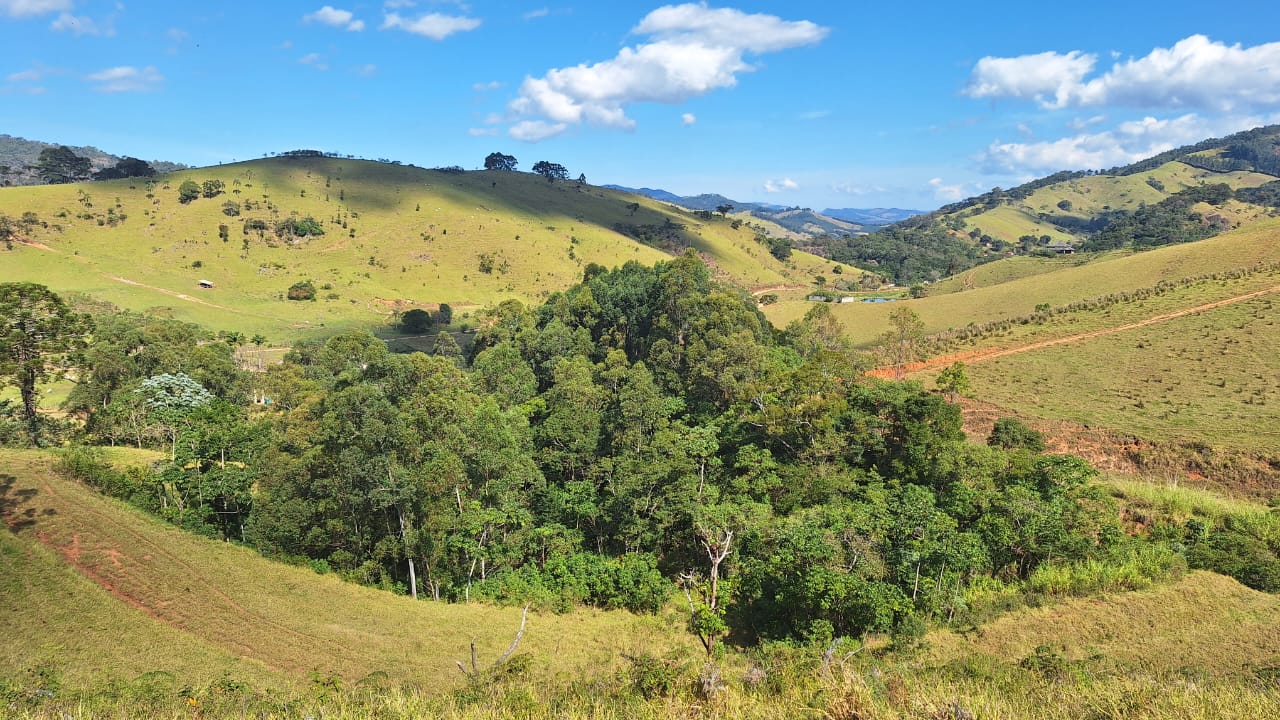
(30, 8)
(334, 17)
(535, 130)
(1031, 77)
(777, 186)
(1127, 143)
(692, 50)
(432, 25)
(688, 119)
(1196, 73)
(945, 192)
(126, 79)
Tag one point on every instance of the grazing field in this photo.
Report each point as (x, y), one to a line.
(111, 613)
(1078, 281)
(89, 583)
(394, 237)
(1208, 377)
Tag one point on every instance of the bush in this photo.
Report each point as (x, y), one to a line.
(415, 321)
(1012, 433)
(304, 290)
(188, 191)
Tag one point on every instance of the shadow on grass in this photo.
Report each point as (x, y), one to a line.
(12, 502)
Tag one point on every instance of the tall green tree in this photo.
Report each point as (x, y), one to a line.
(36, 327)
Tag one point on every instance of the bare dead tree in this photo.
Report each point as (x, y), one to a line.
(474, 672)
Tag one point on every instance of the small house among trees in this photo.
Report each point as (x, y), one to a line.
(1061, 248)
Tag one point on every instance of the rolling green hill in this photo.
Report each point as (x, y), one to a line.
(394, 237)
(89, 583)
(109, 613)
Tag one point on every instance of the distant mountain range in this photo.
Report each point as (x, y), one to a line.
(796, 219)
(18, 157)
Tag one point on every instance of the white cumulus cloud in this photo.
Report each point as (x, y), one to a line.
(777, 186)
(688, 119)
(1195, 74)
(945, 192)
(1126, 143)
(335, 17)
(691, 50)
(432, 25)
(126, 78)
(30, 8)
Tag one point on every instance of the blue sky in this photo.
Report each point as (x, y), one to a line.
(817, 104)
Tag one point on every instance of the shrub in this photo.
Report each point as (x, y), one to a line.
(1012, 433)
(303, 290)
(188, 191)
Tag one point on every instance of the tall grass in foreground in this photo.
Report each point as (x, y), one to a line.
(797, 685)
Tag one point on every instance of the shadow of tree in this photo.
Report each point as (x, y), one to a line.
(14, 504)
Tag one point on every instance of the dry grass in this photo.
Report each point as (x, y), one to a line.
(162, 599)
(413, 238)
(1205, 624)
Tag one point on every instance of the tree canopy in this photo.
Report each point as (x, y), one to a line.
(551, 171)
(36, 327)
(500, 161)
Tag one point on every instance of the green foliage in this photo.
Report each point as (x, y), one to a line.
(954, 381)
(36, 329)
(551, 171)
(415, 321)
(1169, 221)
(188, 191)
(302, 290)
(1011, 433)
(299, 227)
(59, 164)
(500, 161)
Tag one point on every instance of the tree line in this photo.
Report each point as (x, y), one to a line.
(642, 436)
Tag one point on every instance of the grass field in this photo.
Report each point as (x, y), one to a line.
(1208, 377)
(395, 237)
(92, 590)
(88, 583)
(1019, 296)
(1089, 197)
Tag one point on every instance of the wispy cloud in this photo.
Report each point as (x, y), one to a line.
(84, 25)
(315, 60)
(32, 8)
(334, 17)
(487, 86)
(535, 14)
(944, 192)
(435, 26)
(1126, 143)
(126, 78)
(482, 132)
(688, 119)
(691, 50)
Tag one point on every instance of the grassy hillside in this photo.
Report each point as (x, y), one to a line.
(395, 237)
(89, 584)
(1062, 210)
(1071, 280)
(91, 590)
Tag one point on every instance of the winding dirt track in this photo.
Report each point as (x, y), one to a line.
(976, 356)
